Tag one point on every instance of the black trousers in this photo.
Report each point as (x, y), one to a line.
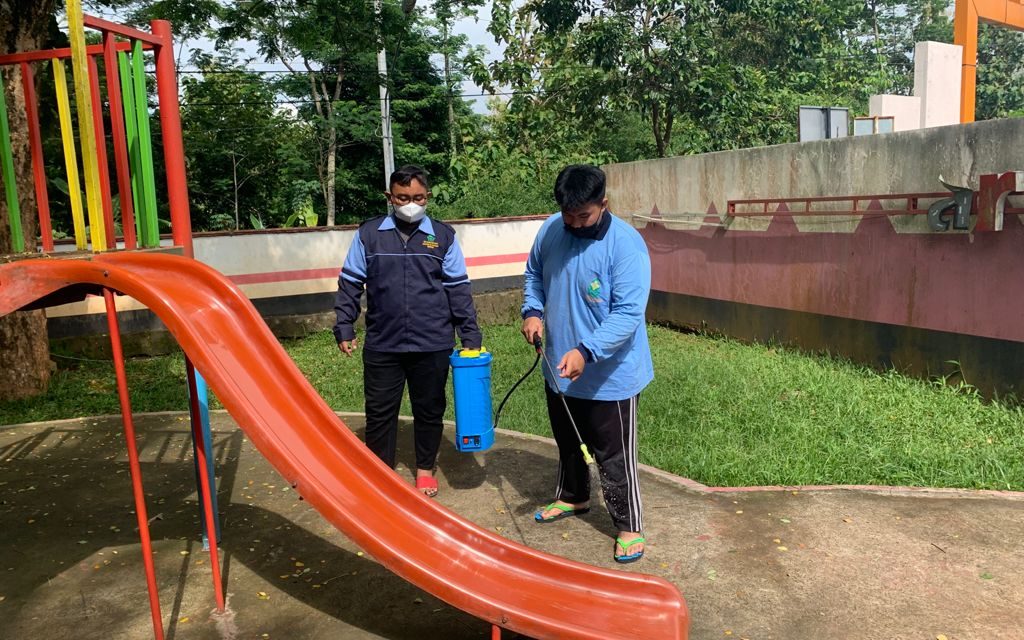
(384, 378)
(608, 427)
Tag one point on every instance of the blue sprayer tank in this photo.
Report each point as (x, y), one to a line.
(471, 378)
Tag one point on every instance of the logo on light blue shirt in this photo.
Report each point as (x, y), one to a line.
(594, 290)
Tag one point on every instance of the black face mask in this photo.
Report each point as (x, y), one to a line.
(586, 233)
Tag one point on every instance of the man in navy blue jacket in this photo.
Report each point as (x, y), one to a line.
(417, 295)
(587, 281)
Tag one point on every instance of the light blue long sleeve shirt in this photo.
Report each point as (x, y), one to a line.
(592, 292)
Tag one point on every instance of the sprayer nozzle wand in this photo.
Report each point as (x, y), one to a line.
(583, 447)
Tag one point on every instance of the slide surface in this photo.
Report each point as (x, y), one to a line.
(490, 577)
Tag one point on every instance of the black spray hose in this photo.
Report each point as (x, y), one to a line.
(538, 345)
(508, 395)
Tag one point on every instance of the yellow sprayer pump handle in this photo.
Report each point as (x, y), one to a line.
(586, 454)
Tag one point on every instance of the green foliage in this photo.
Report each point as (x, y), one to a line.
(244, 155)
(496, 176)
(1000, 83)
(719, 411)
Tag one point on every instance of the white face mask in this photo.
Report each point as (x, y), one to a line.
(411, 212)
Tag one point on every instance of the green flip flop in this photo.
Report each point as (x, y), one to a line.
(633, 557)
(567, 511)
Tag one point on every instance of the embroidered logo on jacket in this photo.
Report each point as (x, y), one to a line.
(431, 242)
(594, 290)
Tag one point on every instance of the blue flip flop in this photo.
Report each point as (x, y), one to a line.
(567, 512)
(633, 557)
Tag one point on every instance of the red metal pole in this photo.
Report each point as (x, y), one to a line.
(133, 463)
(170, 127)
(204, 481)
(495, 632)
(117, 132)
(46, 55)
(101, 152)
(36, 148)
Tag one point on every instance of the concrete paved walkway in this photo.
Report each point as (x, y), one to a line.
(786, 564)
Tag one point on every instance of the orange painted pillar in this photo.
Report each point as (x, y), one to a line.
(965, 34)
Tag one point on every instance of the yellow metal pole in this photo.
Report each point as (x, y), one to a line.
(67, 136)
(83, 103)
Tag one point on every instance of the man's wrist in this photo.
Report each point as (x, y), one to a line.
(533, 313)
(585, 352)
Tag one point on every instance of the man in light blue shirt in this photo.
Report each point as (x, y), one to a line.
(587, 281)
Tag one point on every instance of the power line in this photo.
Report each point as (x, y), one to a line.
(311, 101)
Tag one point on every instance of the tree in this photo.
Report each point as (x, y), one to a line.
(24, 348)
(419, 120)
(1000, 85)
(316, 40)
(451, 46)
(247, 157)
(722, 73)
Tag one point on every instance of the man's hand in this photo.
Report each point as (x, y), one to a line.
(348, 346)
(533, 328)
(571, 365)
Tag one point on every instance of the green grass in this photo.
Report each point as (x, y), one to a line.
(720, 412)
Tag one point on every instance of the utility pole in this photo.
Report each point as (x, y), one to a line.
(385, 100)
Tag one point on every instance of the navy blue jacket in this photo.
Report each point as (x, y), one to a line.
(417, 292)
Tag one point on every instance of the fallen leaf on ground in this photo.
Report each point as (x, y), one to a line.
(262, 595)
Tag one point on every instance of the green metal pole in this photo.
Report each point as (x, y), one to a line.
(7, 166)
(150, 228)
(131, 131)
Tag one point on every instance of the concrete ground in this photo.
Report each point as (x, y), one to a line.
(783, 563)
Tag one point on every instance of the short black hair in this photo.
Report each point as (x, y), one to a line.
(405, 175)
(579, 185)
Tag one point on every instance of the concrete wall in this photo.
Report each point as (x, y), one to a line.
(902, 294)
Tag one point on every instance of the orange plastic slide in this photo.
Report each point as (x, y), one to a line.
(497, 580)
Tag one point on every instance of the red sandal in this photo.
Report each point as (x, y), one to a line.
(427, 484)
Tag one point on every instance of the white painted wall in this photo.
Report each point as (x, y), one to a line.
(905, 110)
(937, 68)
(497, 246)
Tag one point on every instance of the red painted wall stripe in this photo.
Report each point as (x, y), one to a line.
(332, 272)
(286, 276)
(508, 258)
